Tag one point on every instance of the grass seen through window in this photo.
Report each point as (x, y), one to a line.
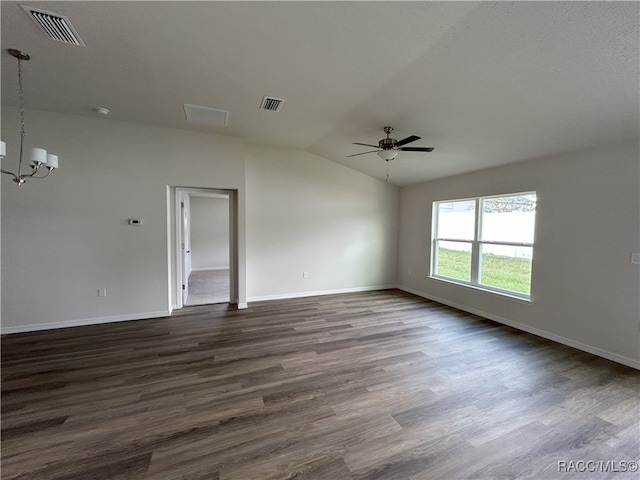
(508, 273)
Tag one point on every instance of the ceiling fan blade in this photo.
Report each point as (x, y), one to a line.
(363, 153)
(417, 149)
(410, 139)
(367, 145)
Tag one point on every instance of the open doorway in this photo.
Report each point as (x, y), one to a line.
(205, 247)
(208, 243)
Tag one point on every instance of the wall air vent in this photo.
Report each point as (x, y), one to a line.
(271, 104)
(54, 26)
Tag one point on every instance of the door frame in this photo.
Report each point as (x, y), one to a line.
(232, 195)
(184, 202)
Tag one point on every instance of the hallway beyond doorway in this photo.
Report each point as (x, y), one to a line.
(208, 286)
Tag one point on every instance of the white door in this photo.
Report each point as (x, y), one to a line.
(186, 245)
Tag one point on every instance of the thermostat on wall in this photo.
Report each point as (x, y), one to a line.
(135, 221)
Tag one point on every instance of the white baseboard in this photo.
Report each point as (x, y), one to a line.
(285, 296)
(520, 326)
(630, 362)
(82, 322)
(202, 269)
(239, 305)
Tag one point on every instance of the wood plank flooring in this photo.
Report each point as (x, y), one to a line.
(375, 385)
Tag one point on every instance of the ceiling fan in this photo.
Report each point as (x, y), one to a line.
(388, 148)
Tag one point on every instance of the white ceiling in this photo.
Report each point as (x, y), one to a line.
(485, 83)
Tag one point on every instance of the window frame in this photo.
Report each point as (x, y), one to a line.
(476, 245)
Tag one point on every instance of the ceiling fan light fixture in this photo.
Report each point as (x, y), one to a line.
(388, 154)
(388, 148)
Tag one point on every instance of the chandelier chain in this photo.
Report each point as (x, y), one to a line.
(21, 97)
(23, 130)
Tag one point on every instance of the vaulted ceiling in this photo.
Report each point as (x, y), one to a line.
(485, 83)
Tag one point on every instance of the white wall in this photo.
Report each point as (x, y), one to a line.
(209, 233)
(305, 213)
(585, 292)
(66, 236)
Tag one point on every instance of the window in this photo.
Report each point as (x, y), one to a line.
(486, 242)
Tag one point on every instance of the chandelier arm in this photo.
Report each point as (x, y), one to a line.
(34, 170)
(20, 177)
(49, 169)
(15, 177)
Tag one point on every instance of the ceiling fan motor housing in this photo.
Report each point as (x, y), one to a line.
(387, 143)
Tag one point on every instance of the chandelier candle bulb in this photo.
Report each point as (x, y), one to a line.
(52, 160)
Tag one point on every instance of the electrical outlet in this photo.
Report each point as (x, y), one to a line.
(305, 274)
(102, 292)
(635, 258)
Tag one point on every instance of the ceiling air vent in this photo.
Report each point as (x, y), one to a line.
(271, 104)
(208, 115)
(56, 27)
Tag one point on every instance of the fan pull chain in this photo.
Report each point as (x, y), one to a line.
(387, 179)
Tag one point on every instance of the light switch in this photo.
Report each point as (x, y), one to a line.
(635, 258)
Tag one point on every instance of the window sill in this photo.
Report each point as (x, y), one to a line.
(501, 293)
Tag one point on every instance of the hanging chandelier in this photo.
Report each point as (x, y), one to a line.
(39, 156)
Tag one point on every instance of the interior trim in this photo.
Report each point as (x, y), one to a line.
(82, 322)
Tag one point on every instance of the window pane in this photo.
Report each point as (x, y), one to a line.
(454, 260)
(509, 219)
(506, 267)
(456, 219)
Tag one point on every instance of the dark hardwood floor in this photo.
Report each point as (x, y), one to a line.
(376, 385)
